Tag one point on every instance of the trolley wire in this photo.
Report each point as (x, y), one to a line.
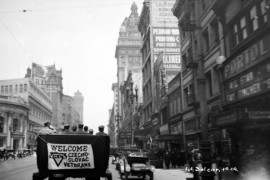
(61, 9)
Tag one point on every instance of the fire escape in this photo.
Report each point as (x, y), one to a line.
(187, 23)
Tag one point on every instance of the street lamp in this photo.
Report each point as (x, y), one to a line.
(117, 119)
(131, 97)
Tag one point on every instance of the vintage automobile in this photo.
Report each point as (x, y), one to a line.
(75, 155)
(137, 164)
(122, 152)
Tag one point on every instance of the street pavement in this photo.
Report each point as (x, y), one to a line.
(22, 169)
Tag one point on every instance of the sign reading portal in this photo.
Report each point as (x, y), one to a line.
(70, 156)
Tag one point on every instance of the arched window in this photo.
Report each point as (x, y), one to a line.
(1, 124)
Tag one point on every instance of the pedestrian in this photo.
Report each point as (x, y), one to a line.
(173, 158)
(167, 158)
(190, 160)
(101, 131)
(80, 129)
(74, 129)
(66, 129)
(91, 131)
(47, 129)
(85, 129)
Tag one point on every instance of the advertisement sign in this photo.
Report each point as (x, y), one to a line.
(254, 81)
(246, 59)
(166, 40)
(162, 13)
(70, 156)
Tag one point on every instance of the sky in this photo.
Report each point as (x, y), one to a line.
(78, 36)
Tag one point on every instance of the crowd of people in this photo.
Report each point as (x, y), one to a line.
(75, 129)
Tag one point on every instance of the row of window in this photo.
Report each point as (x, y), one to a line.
(130, 34)
(129, 51)
(147, 113)
(146, 71)
(129, 42)
(9, 89)
(40, 94)
(175, 103)
(251, 21)
(39, 114)
(15, 124)
(147, 92)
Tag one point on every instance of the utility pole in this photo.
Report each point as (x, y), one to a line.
(205, 145)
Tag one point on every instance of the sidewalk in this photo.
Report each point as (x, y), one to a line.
(172, 174)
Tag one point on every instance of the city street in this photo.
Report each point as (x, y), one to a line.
(22, 169)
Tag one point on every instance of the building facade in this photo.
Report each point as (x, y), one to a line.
(67, 109)
(128, 54)
(49, 79)
(38, 102)
(14, 112)
(113, 121)
(160, 40)
(78, 100)
(225, 73)
(245, 74)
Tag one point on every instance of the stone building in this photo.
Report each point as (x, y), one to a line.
(13, 122)
(128, 55)
(160, 39)
(225, 74)
(67, 107)
(78, 100)
(49, 79)
(36, 110)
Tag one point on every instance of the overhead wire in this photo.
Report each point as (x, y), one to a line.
(60, 9)
(13, 36)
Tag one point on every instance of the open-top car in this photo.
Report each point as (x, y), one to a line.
(122, 153)
(75, 155)
(137, 164)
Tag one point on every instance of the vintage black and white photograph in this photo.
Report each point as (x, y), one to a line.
(135, 89)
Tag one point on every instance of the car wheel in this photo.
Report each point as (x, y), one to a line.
(124, 176)
(149, 176)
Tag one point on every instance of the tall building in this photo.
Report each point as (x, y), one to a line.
(35, 109)
(225, 75)
(128, 54)
(160, 39)
(112, 128)
(78, 104)
(50, 80)
(67, 109)
(113, 122)
(245, 75)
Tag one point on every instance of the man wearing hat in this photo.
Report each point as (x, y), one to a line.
(91, 131)
(47, 129)
(80, 129)
(101, 131)
(85, 128)
(66, 129)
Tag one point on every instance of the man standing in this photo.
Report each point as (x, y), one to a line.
(91, 131)
(85, 129)
(66, 129)
(101, 131)
(47, 129)
(80, 129)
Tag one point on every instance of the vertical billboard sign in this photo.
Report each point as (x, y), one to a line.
(161, 13)
(165, 34)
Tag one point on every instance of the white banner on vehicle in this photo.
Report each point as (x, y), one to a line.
(70, 156)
